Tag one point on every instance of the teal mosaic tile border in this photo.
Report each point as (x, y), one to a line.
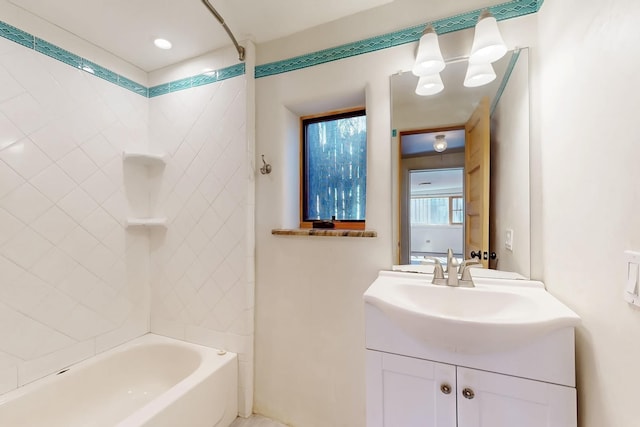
(16, 35)
(25, 39)
(511, 9)
(505, 79)
(199, 80)
(502, 11)
(42, 46)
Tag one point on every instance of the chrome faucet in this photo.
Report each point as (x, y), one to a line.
(453, 269)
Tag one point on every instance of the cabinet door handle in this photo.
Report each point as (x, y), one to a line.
(445, 388)
(468, 393)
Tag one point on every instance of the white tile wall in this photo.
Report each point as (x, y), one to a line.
(72, 278)
(200, 287)
(74, 281)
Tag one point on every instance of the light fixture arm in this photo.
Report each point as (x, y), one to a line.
(240, 49)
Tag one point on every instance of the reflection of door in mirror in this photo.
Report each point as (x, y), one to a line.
(431, 185)
(477, 151)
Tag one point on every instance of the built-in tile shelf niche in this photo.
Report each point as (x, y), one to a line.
(145, 160)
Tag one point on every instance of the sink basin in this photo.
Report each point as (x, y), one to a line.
(496, 315)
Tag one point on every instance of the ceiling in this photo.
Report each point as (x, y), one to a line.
(435, 182)
(420, 144)
(127, 28)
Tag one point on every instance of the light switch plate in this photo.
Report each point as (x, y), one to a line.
(508, 240)
(632, 287)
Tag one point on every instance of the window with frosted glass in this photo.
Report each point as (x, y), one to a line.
(334, 167)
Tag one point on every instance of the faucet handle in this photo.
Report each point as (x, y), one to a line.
(438, 272)
(466, 270)
(467, 263)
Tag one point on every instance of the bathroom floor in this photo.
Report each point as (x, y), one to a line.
(256, 421)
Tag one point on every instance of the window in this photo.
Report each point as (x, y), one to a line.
(437, 210)
(456, 210)
(334, 168)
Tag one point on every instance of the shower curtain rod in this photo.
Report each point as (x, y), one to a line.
(239, 48)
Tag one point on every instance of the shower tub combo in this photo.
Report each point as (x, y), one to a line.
(151, 381)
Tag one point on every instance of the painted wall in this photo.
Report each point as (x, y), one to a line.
(434, 238)
(586, 102)
(73, 280)
(510, 206)
(309, 315)
(309, 338)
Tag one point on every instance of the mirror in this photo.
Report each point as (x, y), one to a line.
(428, 195)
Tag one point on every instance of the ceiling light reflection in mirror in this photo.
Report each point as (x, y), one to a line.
(423, 143)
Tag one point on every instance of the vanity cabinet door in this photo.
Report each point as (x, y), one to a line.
(487, 399)
(408, 392)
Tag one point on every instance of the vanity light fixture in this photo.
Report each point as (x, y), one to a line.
(162, 44)
(488, 45)
(429, 85)
(429, 58)
(479, 75)
(440, 143)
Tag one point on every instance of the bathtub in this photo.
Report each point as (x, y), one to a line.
(151, 381)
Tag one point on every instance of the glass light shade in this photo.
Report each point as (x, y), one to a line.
(488, 45)
(479, 75)
(440, 144)
(429, 58)
(429, 85)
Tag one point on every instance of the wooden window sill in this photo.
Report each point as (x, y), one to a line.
(327, 232)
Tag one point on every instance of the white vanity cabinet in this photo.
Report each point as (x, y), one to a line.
(409, 392)
(488, 399)
(406, 392)
(418, 382)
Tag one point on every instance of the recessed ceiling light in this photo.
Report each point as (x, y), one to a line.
(162, 43)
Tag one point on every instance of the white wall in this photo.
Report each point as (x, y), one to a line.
(309, 339)
(587, 101)
(510, 207)
(73, 280)
(309, 312)
(437, 238)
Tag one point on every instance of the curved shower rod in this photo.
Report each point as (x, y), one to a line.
(215, 13)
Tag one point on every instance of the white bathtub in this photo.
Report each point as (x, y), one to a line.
(151, 381)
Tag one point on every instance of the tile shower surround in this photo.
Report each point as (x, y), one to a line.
(74, 281)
